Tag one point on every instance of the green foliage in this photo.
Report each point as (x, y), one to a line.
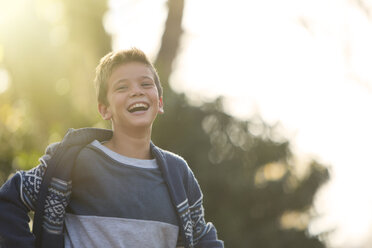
(50, 48)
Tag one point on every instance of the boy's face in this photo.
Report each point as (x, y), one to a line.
(132, 96)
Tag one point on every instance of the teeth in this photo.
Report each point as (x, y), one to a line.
(138, 105)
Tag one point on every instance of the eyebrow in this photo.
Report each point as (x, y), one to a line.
(123, 80)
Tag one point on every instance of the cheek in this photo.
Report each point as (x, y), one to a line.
(155, 95)
(118, 99)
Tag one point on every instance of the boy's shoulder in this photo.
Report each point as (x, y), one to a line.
(172, 160)
(172, 155)
(169, 156)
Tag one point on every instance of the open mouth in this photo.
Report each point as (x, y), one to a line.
(138, 107)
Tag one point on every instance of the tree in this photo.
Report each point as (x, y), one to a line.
(251, 189)
(50, 49)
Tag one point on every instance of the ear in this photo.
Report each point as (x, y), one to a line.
(161, 106)
(104, 111)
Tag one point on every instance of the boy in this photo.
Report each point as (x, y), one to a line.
(103, 188)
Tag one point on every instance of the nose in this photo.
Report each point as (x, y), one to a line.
(136, 91)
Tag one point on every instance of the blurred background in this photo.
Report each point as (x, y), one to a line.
(269, 102)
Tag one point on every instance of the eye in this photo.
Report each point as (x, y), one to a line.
(122, 87)
(147, 84)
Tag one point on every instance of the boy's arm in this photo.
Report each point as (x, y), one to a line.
(14, 219)
(18, 197)
(205, 234)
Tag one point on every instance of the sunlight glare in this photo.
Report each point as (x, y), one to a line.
(4, 80)
(303, 63)
(141, 31)
(51, 11)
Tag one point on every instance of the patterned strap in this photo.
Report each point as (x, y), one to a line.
(30, 186)
(194, 224)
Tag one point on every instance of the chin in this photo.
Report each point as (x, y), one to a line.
(141, 124)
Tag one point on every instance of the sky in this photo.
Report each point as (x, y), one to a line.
(302, 63)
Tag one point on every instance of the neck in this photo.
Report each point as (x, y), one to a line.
(131, 144)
